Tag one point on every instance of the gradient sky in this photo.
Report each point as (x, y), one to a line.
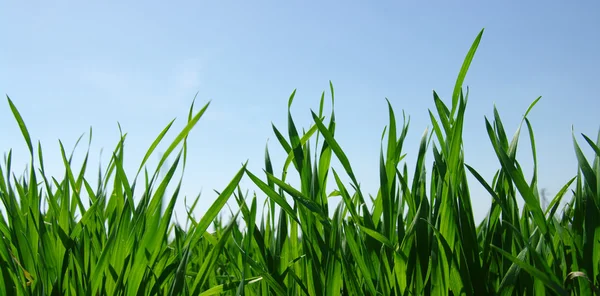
(69, 65)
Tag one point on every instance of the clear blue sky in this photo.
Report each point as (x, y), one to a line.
(69, 65)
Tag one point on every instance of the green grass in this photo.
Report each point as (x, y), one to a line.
(414, 237)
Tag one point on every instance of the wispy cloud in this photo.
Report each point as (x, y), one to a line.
(128, 86)
(106, 79)
(188, 75)
(186, 78)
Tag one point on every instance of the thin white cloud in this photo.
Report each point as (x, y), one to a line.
(180, 84)
(188, 76)
(109, 80)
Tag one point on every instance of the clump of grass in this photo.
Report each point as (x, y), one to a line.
(419, 237)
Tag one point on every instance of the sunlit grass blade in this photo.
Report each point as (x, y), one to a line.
(274, 196)
(463, 72)
(215, 208)
(154, 144)
(182, 135)
(21, 124)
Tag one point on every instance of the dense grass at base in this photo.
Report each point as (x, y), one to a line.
(419, 237)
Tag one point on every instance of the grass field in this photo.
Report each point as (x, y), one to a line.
(415, 237)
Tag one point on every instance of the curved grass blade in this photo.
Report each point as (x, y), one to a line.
(22, 126)
(463, 72)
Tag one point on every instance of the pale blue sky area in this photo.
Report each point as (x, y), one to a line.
(69, 65)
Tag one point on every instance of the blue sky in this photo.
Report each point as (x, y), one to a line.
(69, 65)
